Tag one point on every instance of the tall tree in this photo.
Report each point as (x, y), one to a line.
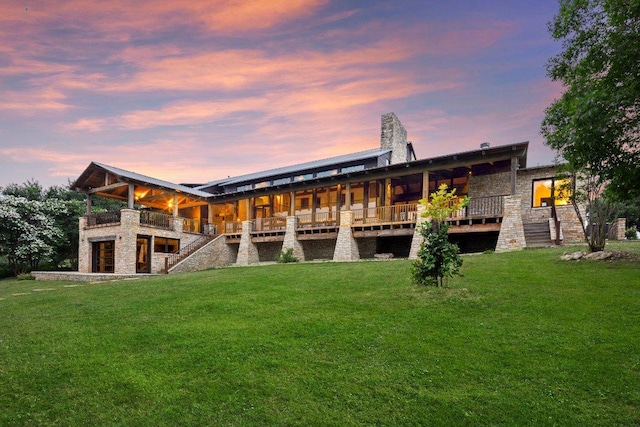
(594, 126)
(28, 231)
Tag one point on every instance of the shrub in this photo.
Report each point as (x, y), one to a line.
(286, 256)
(25, 276)
(437, 258)
(631, 233)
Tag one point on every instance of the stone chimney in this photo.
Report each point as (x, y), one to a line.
(394, 137)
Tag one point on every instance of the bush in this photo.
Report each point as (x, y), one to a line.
(631, 233)
(286, 256)
(25, 276)
(5, 272)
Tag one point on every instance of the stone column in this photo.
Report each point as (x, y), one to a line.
(177, 224)
(511, 237)
(291, 240)
(346, 245)
(84, 247)
(417, 238)
(125, 246)
(248, 251)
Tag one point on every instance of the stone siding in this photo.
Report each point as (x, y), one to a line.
(570, 226)
(496, 184)
(125, 235)
(318, 249)
(366, 247)
(214, 254)
(417, 239)
(394, 137)
(291, 241)
(269, 251)
(617, 229)
(247, 251)
(511, 236)
(346, 246)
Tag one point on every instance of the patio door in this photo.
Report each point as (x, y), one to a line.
(102, 256)
(143, 254)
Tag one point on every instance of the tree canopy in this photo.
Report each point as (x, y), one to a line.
(594, 126)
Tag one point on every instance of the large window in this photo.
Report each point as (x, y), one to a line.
(546, 190)
(166, 245)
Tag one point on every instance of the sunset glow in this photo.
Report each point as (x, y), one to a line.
(199, 90)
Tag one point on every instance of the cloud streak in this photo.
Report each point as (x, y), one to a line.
(250, 84)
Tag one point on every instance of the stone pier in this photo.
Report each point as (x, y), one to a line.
(248, 251)
(346, 245)
(511, 237)
(291, 240)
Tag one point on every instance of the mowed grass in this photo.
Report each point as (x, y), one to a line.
(522, 339)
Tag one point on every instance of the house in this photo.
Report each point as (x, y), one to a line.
(348, 207)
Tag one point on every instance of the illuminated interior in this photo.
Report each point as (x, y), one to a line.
(543, 192)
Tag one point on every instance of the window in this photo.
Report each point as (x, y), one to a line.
(304, 177)
(322, 174)
(246, 187)
(352, 169)
(281, 181)
(166, 245)
(545, 190)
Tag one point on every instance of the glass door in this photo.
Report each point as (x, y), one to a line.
(143, 254)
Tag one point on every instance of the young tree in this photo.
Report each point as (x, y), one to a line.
(28, 232)
(437, 257)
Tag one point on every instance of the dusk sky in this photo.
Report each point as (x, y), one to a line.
(192, 91)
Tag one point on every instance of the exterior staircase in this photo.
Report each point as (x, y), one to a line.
(537, 234)
(186, 251)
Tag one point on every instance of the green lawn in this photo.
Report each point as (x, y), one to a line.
(522, 339)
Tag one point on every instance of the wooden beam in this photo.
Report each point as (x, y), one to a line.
(514, 174)
(107, 187)
(475, 228)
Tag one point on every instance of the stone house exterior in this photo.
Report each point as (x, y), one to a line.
(350, 207)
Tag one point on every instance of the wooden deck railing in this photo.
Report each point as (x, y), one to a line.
(156, 219)
(478, 207)
(232, 227)
(103, 218)
(386, 214)
(320, 219)
(192, 225)
(269, 224)
(481, 207)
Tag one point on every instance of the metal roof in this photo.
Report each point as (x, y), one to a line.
(82, 181)
(301, 167)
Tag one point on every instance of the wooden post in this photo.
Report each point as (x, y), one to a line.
(130, 194)
(514, 171)
(175, 205)
(347, 197)
(425, 185)
(88, 204)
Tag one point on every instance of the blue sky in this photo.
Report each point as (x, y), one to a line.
(191, 91)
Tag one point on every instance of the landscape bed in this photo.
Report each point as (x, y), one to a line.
(522, 338)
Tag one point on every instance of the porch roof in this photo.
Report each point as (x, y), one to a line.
(94, 177)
